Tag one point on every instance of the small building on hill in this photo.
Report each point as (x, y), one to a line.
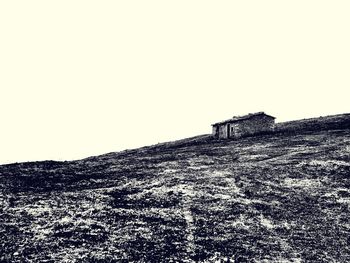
(247, 125)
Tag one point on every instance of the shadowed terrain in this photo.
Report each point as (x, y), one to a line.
(271, 198)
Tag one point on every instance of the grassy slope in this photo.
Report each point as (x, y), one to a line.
(274, 198)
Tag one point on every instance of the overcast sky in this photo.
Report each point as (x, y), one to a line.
(82, 78)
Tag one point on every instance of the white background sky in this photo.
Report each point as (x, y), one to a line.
(82, 78)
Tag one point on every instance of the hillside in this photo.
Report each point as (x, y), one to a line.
(271, 198)
(339, 121)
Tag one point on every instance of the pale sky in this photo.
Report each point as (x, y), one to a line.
(82, 78)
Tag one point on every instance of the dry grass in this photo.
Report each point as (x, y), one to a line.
(275, 198)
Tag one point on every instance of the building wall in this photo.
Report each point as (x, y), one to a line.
(251, 126)
(220, 131)
(214, 131)
(254, 125)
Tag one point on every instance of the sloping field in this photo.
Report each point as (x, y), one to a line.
(339, 121)
(273, 198)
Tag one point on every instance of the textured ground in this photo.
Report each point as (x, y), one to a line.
(275, 198)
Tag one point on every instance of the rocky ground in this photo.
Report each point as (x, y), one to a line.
(273, 198)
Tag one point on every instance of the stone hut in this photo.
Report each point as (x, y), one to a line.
(247, 125)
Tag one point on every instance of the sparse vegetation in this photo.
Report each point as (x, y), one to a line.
(273, 198)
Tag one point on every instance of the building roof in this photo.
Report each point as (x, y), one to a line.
(241, 118)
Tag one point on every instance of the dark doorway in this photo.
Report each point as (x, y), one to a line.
(228, 130)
